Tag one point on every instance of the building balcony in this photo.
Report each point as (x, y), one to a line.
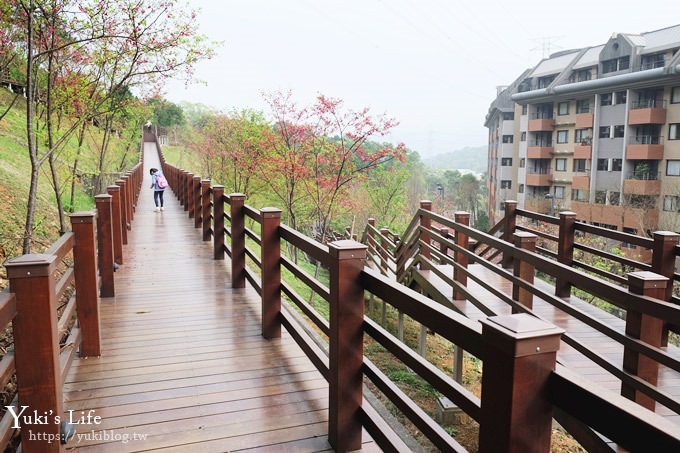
(641, 186)
(582, 151)
(538, 179)
(541, 125)
(652, 111)
(537, 151)
(584, 120)
(616, 215)
(537, 205)
(581, 182)
(645, 147)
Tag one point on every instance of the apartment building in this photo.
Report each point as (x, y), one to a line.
(595, 131)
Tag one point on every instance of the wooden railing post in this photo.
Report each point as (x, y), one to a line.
(524, 270)
(519, 355)
(123, 208)
(195, 203)
(462, 241)
(116, 224)
(205, 208)
(182, 183)
(645, 328)
(663, 263)
(510, 221)
(105, 244)
(85, 271)
(426, 224)
(127, 192)
(36, 347)
(132, 184)
(443, 248)
(218, 222)
(384, 232)
(192, 195)
(346, 344)
(565, 250)
(238, 241)
(189, 192)
(191, 199)
(271, 272)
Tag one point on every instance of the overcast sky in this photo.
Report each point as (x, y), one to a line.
(434, 65)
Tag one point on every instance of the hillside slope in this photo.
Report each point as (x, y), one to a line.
(14, 185)
(468, 158)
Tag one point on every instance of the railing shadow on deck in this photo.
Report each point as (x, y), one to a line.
(523, 385)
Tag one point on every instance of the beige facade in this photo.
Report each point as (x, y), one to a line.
(596, 131)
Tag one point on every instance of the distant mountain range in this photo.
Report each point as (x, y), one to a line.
(468, 158)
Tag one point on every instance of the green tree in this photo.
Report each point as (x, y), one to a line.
(122, 44)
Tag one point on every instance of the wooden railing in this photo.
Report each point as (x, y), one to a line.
(522, 384)
(69, 278)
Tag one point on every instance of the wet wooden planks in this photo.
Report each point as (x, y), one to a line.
(184, 366)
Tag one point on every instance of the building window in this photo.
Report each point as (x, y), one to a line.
(583, 75)
(562, 136)
(559, 192)
(506, 161)
(560, 164)
(617, 164)
(507, 139)
(620, 97)
(520, 189)
(605, 131)
(614, 198)
(615, 64)
(523, 137)
(673, 168)
(656, 60)
(606, 99)
(674, 131)
(522, 163)
(670, 203)
(609, 66)
(642, 201)
(675, 95)
(563, 108)
(525, 109)
(508, 116)
(600, 196)
(619, 131)
(602, 164)
(580, 166)
(583, 106)
(506, 184)
(579, 195)
(544, 82)
(582, 136)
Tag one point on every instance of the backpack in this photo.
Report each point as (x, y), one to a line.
(161, 182)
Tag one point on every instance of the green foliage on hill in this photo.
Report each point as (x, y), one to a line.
(15, 178)
(468, 158)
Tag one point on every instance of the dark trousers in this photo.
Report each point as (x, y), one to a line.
(158, 197)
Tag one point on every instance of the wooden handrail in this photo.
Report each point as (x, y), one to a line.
(502, 371)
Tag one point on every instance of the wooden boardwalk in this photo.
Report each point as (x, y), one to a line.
(669, 380)
(184, 366)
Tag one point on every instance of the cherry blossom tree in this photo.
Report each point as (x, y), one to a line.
(318, 152)
(121, 45)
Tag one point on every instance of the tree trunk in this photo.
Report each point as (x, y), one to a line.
(30, 135)
(74, 172)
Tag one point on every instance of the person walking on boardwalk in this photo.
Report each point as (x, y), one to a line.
(158, 184)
